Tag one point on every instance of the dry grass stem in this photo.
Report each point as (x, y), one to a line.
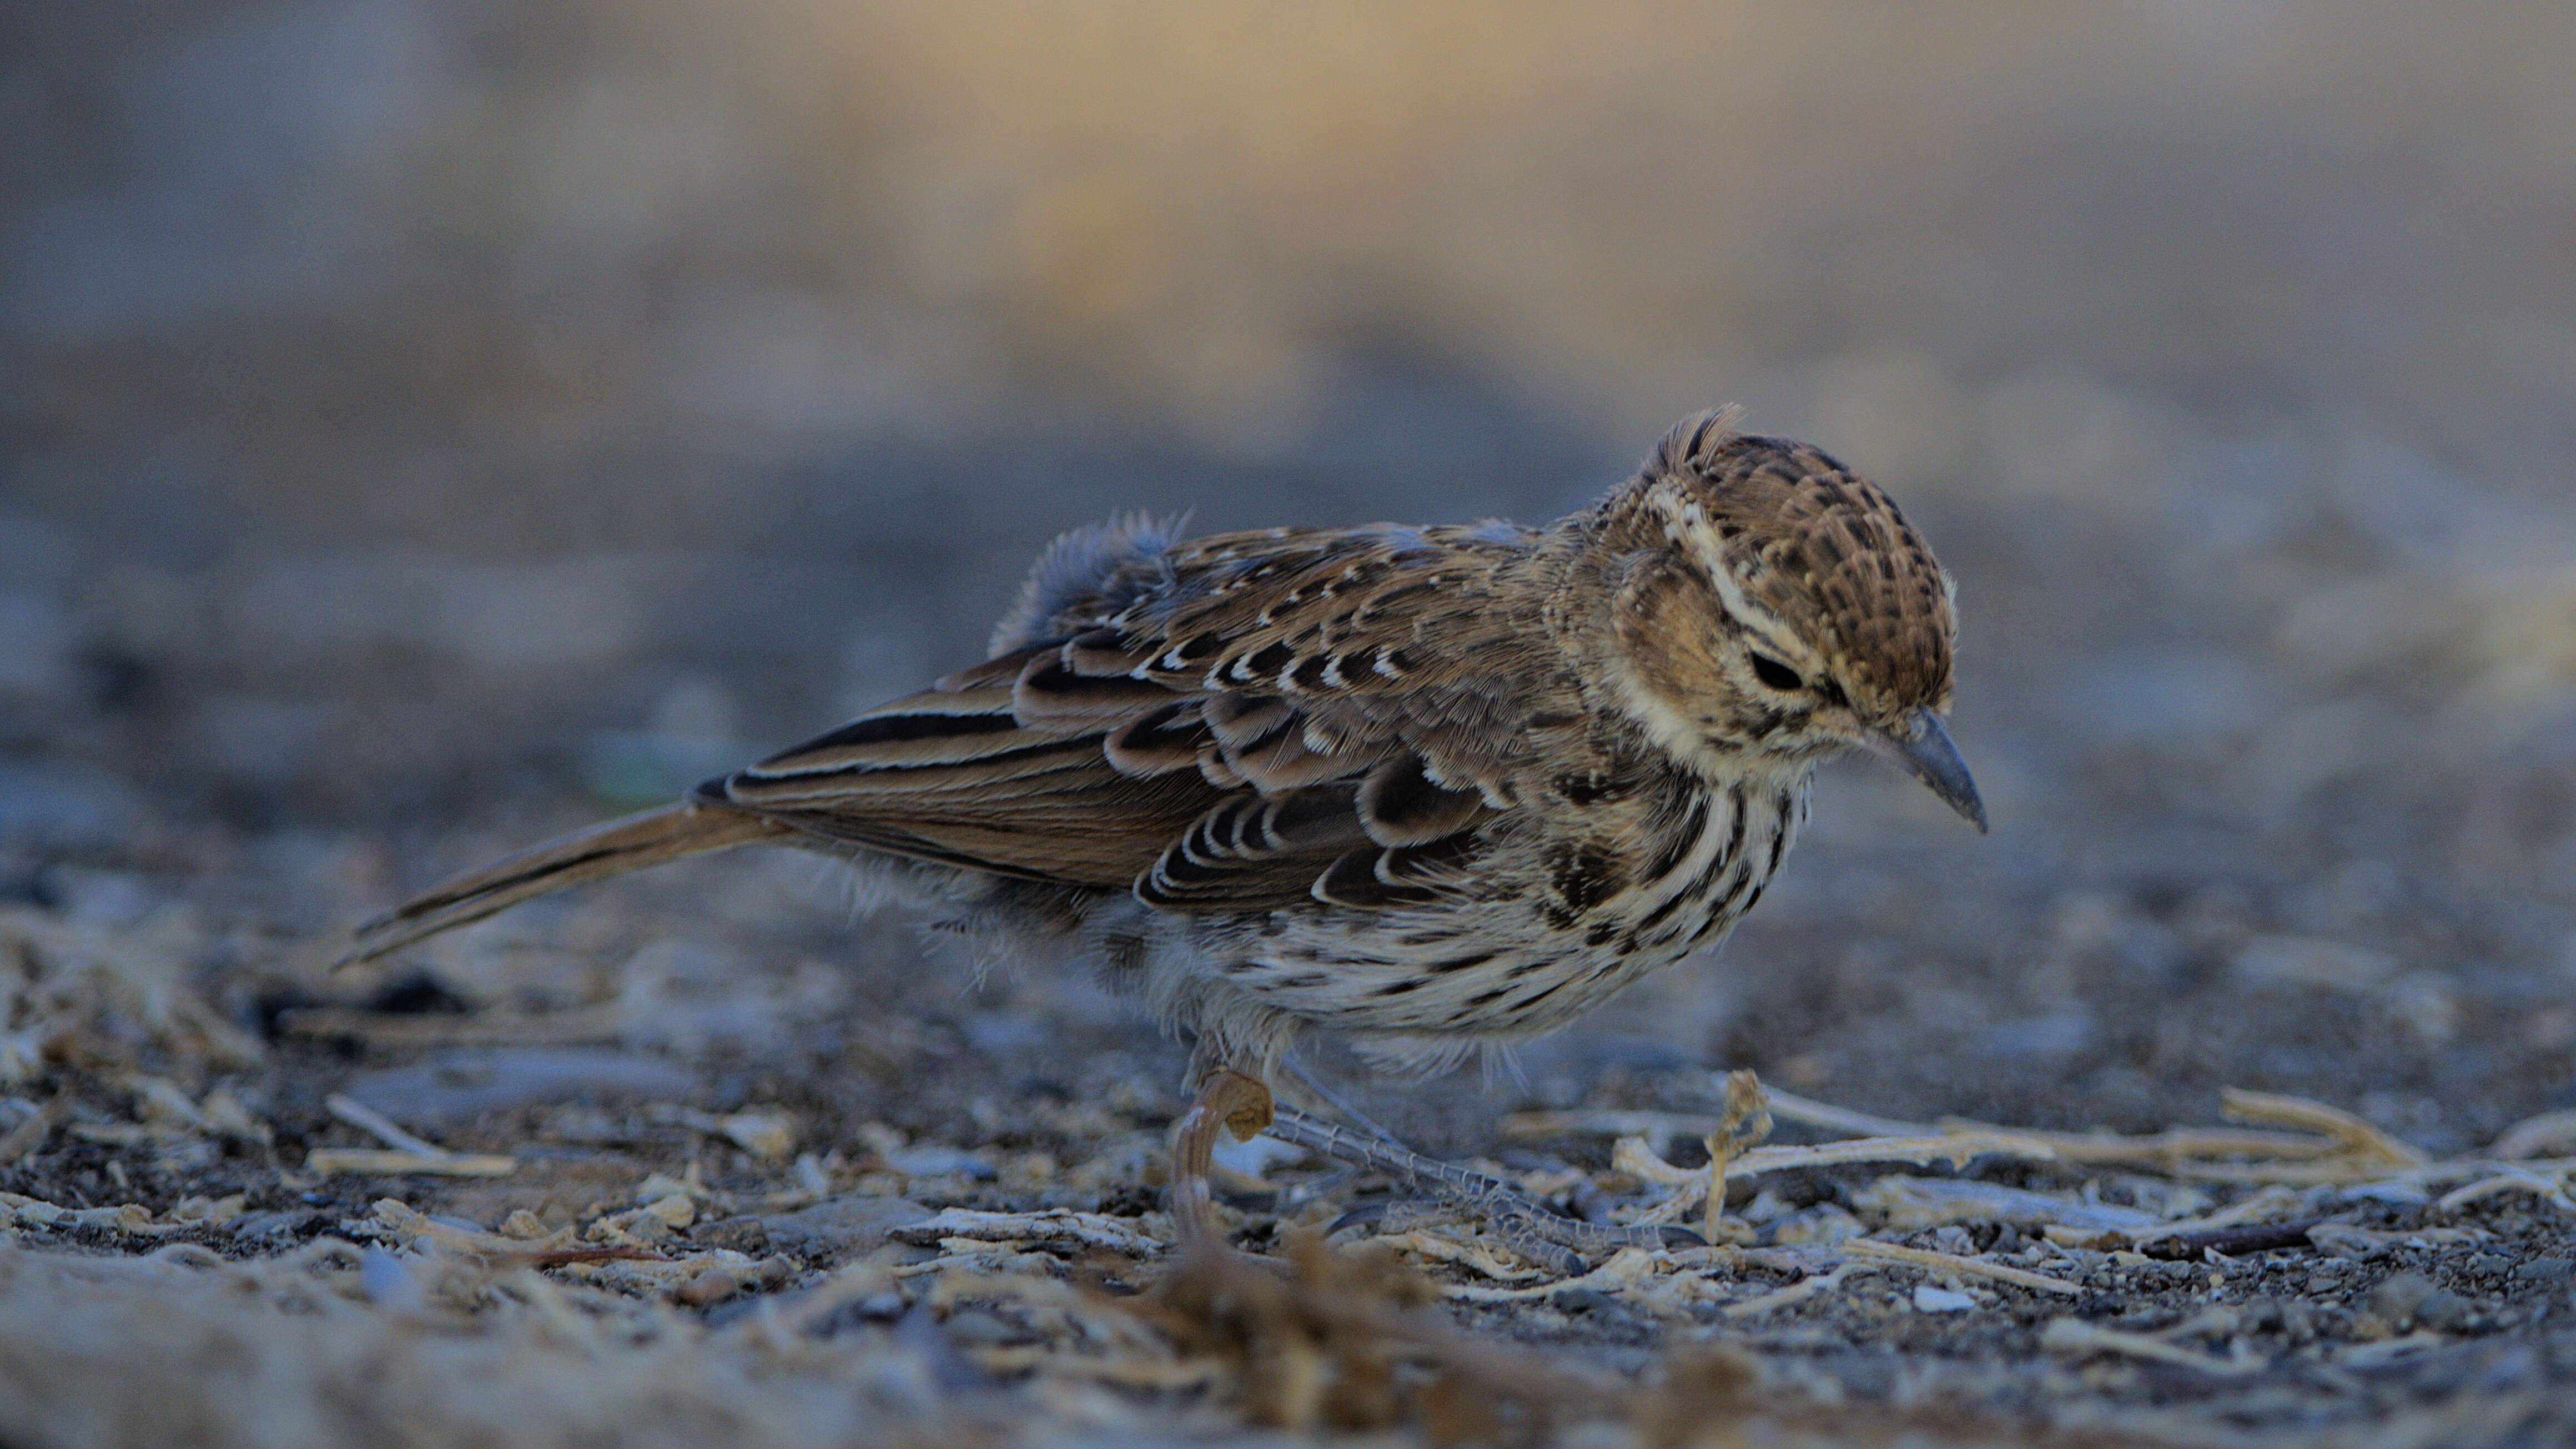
(2550, 1185)
(359, 1115)
(409, 1154)
(376, 1162)
(1825, 1116)
(2550, 1133)
(1631, 1155)
(2075, 1338)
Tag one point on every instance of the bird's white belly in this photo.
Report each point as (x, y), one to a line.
(1507, 968)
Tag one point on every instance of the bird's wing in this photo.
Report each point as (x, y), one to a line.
(952, 775)
(1238, 723)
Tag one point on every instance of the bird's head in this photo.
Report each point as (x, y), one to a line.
(1770, 605)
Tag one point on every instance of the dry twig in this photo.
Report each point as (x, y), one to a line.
(410, 1155)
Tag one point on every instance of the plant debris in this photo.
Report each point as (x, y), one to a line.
(2221, 1258)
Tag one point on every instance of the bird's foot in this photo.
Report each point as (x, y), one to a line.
(1526, 1227)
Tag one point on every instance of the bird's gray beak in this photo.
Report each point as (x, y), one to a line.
(1930, 757)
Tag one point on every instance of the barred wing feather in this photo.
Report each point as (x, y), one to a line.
(1213, 725)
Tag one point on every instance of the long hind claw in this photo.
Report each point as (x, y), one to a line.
(1227, 1099)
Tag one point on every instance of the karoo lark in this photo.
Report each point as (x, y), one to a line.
(1432, 786)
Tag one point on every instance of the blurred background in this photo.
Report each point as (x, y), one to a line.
(424, 425)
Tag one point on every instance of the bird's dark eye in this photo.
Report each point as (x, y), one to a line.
(1776, 674)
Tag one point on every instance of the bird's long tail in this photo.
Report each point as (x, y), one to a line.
(601, 851)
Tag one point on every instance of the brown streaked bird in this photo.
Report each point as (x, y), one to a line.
(1431, 786)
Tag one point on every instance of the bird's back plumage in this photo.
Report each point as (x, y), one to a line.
(1240, 722)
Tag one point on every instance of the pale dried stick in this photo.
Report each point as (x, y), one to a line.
(2075, 1337)
(2263, 1204)
(367, 1119)
(2357, 1136)
(371, 1162)
(1634, 1158)
(1808, 1112)
(2526, 1138)
(2180, 1148)
(410, 1155)
(2551, 1188)
(1784, 1105)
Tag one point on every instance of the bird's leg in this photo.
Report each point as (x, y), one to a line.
(1227, 1099)
(1337, 1102)
(1521, 1223)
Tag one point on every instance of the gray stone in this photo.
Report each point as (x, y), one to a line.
(2398, 1299)
(2491, 1265)
(983, 1328)
(460, 1086)
(2298, 1322)
(273, 1227)
(2545, 1270)
(840, 1227)
(2445, 1313)
(742, 1235)
(932, 1159)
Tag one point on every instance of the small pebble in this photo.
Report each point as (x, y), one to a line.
(712, 1286)
(743, 1235)
(2544, 1270)
(1823, 1225)
(2398, 1299)
(388, 1283)
(1928, 1299)
(267, 1226)
(977, 1328)
(2445, 1313)
(935, 1160)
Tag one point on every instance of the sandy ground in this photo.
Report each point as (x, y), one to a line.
(425, 428)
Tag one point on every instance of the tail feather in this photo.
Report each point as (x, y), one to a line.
(594, 854)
